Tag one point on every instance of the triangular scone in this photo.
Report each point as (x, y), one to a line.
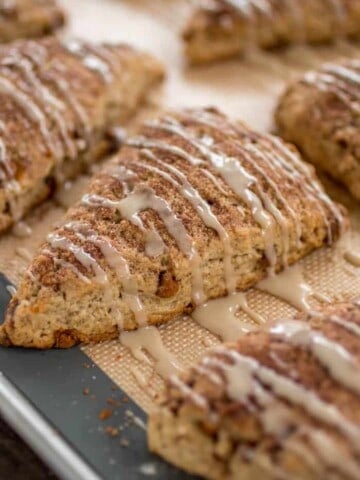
(193, 207)
(282, 404)
(320, 114)
(225, 28)
(29, 18)
(58, 102)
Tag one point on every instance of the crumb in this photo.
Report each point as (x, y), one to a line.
(86, 391)
(125, 399)
(112, 401)
(112, 431)
(105, 413)
(86, 365)
(124, 442)
(114, 388)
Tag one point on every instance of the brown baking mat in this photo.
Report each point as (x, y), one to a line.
(247, 90)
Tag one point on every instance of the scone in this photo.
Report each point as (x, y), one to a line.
(277, 404)
(29, 18)
(320, 113)
(58, 104)
(221, 29)
(194, 207)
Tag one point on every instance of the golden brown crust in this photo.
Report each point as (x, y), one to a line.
(226, 438)
(29, 19)
(320, 114)
(221, 31)
(58, 103)
(54, 295)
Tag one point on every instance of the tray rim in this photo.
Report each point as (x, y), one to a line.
(47, 443)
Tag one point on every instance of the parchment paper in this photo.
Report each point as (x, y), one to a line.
(246, 90)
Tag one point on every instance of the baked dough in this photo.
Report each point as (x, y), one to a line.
(58, 102)
(274, 405)
(221, 29)
(29, 18)
(194, 207)
(320, 114)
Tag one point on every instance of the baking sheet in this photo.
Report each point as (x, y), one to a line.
(246, 90)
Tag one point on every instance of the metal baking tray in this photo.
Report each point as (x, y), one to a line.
(53, 399)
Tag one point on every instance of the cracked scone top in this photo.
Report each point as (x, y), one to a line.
(226, 28)
(58, 102)
(194, 207)
(277, 404)
(320, 113)
(29, 18)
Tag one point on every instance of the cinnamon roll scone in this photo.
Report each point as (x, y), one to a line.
(276, 404)
(29, 18)
(58, 103)
(221, 29)
(194, 207)
(320, 113)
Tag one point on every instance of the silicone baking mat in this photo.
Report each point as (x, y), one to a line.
(247, 90)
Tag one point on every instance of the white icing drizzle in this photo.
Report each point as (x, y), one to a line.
(154, 243)
(276, 418)
(260, 388)
(139, 377)
(118, 264)
(124, 175)
(202, 208)
(21, 230)
(240, 180)
(332, 455)
(92, 59)
(334, 80)
(24, 253)
(50, 104)
(196, 398)
(37, 55)
(334, 357)
(271, 207)
(289, 285)
(245, 374)
(142, 198)
(220, 317)
(79, 111)
(149, 339)
(59, 262)
(58, 241)
(246, 7)
(293, 166)
(249, 9)
(94, 63)
(347, 324)
(6, 171)
(268, 156)
(231, 170)
(215, 181)
(353, 258)
(342, 80)
(32, 110)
